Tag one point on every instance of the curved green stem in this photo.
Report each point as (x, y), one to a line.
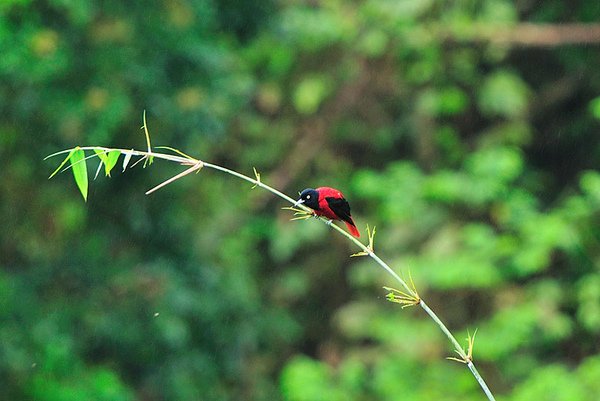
(196, 164)
(381, 263)
(480, 380)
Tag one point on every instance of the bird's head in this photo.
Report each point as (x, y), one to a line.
(309, 197)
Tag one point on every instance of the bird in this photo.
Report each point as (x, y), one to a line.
(330, 203)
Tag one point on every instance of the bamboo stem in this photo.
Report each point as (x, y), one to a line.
(197, 164)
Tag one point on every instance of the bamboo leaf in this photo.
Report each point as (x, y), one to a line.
(195, 167)
(79, 167)
(98, 170)
(101, 153)
(126, 159)
(179, 152)
(109, 158)
(150, 159)
(111, 161)
(62, 164)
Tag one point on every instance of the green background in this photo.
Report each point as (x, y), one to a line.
(468, 132)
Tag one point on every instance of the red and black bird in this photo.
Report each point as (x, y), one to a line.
(330, 203)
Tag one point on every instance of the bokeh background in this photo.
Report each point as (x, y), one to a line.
(467, 131)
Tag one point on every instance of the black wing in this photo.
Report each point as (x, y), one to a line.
(340, 207)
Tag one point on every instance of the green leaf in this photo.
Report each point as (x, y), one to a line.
(108, 158)
(111, 161)
(62, 164)
(80, 171)
(179, 152)
(101, 153)
(102, 156)
(149, 159)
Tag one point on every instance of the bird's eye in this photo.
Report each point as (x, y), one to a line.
(307, 196)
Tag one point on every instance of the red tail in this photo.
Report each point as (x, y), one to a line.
(352, 228)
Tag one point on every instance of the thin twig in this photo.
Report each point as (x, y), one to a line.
(195, 167)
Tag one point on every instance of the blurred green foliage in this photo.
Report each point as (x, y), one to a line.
(476, 160)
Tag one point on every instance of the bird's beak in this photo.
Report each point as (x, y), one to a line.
(298, 202)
